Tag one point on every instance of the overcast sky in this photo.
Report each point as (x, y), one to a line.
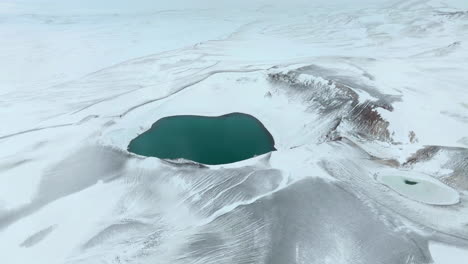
(137, 6)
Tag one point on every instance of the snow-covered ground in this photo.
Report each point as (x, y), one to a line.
(359, 96)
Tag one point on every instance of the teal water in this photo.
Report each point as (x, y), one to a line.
(208, 140)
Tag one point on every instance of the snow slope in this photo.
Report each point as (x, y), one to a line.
(350, 92)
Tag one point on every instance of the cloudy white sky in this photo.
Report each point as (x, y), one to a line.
(125, 6)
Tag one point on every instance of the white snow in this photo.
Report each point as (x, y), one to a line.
(446, 254)
(93, 73)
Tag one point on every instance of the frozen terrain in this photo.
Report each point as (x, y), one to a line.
(367, 102)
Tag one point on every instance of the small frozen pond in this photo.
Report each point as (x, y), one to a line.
(419, 187)
(208, 140)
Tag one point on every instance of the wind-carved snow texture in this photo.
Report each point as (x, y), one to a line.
(350, 95)
(36, 238)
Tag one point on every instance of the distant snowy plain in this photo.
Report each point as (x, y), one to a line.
(360, 96)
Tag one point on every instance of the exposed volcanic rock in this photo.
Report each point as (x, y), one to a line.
(422, 155)
(337, 97)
